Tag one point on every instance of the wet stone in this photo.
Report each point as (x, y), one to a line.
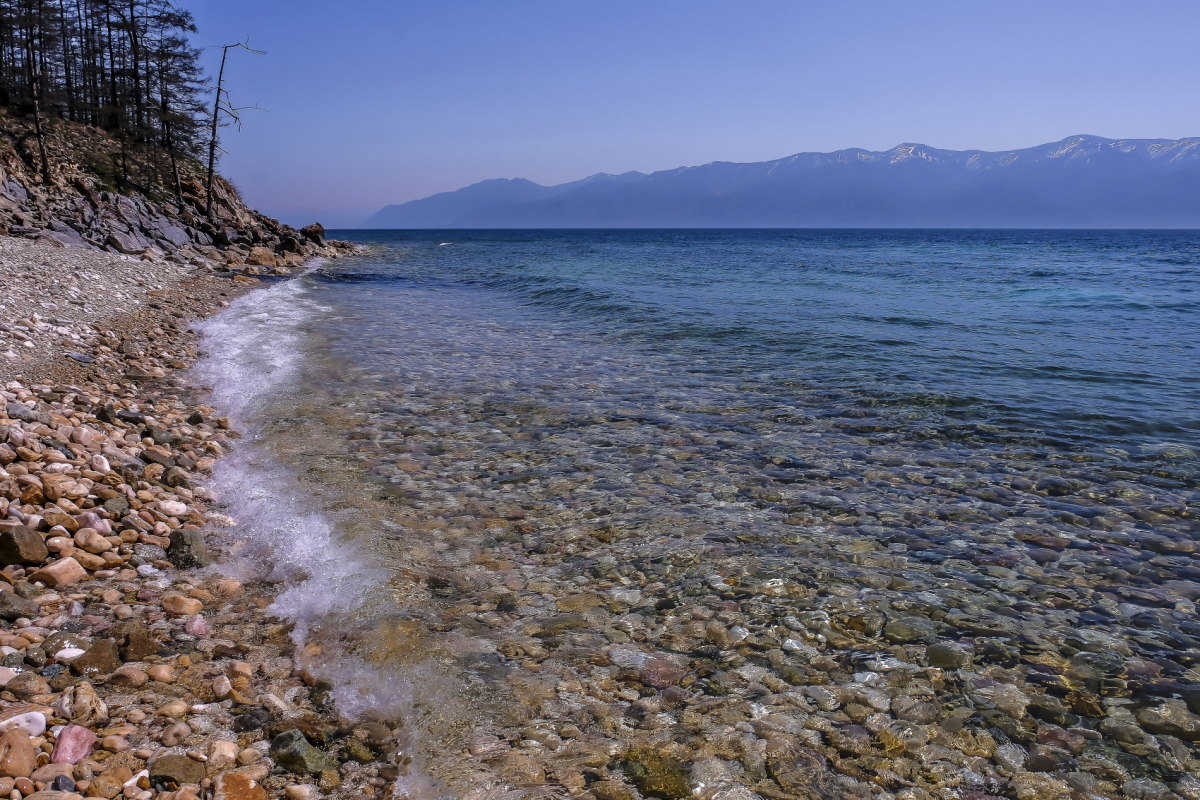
(252, 719)
(176, 769)
(947, 655)
(656, 773)
(188, 549)
(18, 759)
(292, 751)
(1172, 718)
(101, 658)
(910, 629)
(625, 582)
(138, 642)
(13, 607)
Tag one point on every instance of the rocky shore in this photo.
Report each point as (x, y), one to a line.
(139, 213)
(128, 666)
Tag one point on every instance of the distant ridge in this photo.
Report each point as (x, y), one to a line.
(1080, 182)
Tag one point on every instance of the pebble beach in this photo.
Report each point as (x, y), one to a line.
(129, 666)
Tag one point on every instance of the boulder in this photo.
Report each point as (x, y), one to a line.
(138, 641)
(1171, 718)
(315, 233)
(126, 243)
(24, 413)
(101, 658)
(21, 545)
(910, 629)
(262, 257)
(28, 685)
(13, 607)
(82, 705)
(179, 605)
(235, 786)
(32, 722)
(174, 234)
(110, 782)
(51, 772)
(63, 238)
(188, 549)
(947, 655)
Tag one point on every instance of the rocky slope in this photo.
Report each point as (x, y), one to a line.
(105, 196)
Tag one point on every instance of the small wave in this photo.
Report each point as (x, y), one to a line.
(253, 352)
(907, 321)
(342, 276)
(565, 297)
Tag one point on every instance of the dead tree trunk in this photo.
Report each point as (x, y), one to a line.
(212, 140)
(220, 105)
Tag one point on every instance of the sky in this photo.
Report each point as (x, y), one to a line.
(370, 102)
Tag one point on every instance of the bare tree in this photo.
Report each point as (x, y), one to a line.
(221, 105)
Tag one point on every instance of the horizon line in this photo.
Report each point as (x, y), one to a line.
(777, 228)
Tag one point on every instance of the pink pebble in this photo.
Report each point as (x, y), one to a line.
(196, 626)
(90, 519)
(74, 745)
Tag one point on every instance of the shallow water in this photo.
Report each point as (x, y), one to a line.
(588, 509)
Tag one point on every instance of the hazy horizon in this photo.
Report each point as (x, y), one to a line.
(377, 104)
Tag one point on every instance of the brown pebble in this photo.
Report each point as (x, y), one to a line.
(129, 676)
(181, 606)
(63, 572)
(114, 744)
(162, 673)
(175, 708)
(18, 758)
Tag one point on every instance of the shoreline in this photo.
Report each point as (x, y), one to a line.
(171, 681)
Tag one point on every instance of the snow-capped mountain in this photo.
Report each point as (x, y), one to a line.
(1081, 181)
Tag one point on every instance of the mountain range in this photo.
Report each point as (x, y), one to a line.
(1080, 182)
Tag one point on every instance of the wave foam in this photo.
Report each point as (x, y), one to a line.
(253, 354)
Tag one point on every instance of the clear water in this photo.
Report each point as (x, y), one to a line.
(1083, 336)
(487, 462)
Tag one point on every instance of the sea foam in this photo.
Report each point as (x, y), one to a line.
(253, 353)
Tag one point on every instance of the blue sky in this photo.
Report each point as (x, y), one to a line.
(369, 102)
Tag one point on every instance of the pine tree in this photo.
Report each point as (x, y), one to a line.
(127, 66)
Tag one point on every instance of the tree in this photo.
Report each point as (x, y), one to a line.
(221, 105)
(127, 66)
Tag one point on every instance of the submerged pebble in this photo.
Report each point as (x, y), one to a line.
(614, 577)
